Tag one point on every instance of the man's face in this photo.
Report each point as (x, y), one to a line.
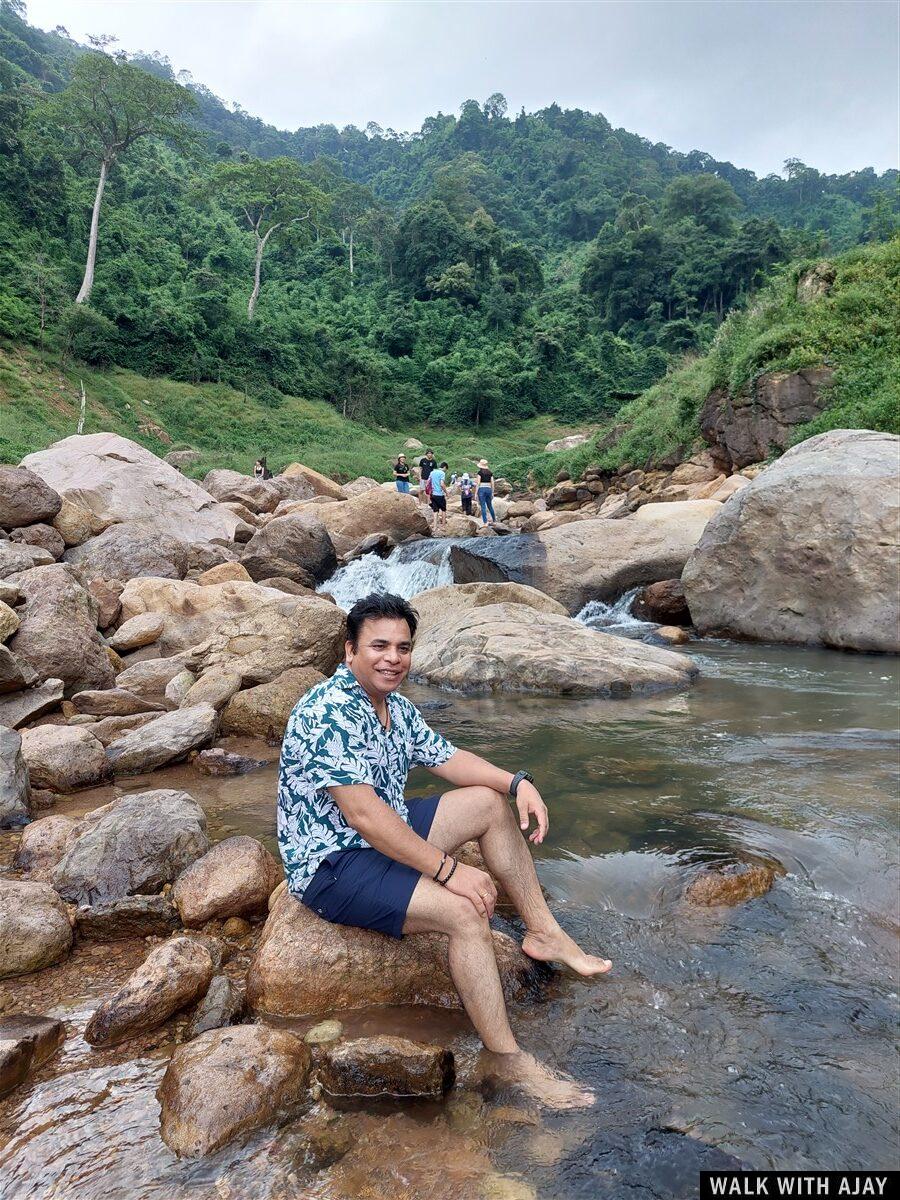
(382, 656)
(430, 456)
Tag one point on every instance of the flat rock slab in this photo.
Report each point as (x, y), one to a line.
(228, 1082)
(113, 702)
(25, 1043)
(386, 1066)
(163, 740)
(126, 917)
(17, 708)
(305, 966)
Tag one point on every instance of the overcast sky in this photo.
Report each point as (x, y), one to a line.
(753, 81)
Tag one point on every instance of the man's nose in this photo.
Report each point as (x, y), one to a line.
(392, 654)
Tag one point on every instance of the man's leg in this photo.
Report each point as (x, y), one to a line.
(480, 812)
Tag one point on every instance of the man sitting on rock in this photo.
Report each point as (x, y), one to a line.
(357, 853)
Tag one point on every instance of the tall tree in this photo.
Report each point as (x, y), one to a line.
(109, 105)
(270, 197)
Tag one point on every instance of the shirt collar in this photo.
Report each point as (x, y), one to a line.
(350, 683)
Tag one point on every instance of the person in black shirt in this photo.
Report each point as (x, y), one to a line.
(486, 491)
(401, 473)
(427, 464)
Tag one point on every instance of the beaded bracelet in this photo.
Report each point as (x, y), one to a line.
(444, 882)
(440, 868)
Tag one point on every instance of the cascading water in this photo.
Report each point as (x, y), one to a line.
(403, 573)
(616, 618)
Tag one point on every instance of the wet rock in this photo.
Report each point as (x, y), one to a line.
(44, 536)
(223, 763)
(107, 729)
(150, 679)
(305, 965)
(386, 1066)
(163, 740)
(236, 927)
(25, 499)
(235, 879)
(63, 758)
(128, 550)
(139, 631)
(508, 648)
(323, 1033)
(34, 927)
(228, 1082)
(170, 978)
(58, 632)
(114, 702)
(215, 688)
(118, 480)
(730, 885)
(263, 711)
(672, 635)
(75, 523)
(42, 845)
(19, 707)
(261, 645)
(126, 917)
(26, 1042)
(663, 603)
(136, 844)
(230, 572)
(15, 789)
(807, 553)
(222, 1005)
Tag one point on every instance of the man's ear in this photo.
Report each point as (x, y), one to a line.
(348, 651)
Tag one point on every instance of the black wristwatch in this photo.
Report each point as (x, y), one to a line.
(517, 779)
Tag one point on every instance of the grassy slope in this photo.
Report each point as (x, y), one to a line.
(39, 404)
(854, 329)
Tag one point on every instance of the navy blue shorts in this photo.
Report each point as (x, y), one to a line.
(366, 888)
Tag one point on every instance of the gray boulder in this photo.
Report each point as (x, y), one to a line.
(166, 739)
(14, 785)
(128, 551)
(17, 708)
(34, 928)
(63, 758)
(301, 539)
(25, 499)
(19, 556)
(808, 553)
(43, 536)
(222, 1005)
(134, 845)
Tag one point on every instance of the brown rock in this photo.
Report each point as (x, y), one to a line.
(9, 622)
(129, 550)
(228, 1082)
(106, 593)
(730, 886)
(34, 927)
(391, 514)
(662, 602)
(436, 604)
(18, 557)
(25, 1043)
(320, 485)
(235, 879)
(215, 688)
(75, 523)
(170, 978)
(25, 499)
(42, 845)
(63, 758)
(165, 739)
(386, 1066)
(107, 729)
(263, 711)
(44, 536)
(17, 707)
(139, 631)
(126, 917)
(223, 763)
(224, 572)
(150, 679)
(258, 495)
(114, 702)
(299, 539)
(673, 635)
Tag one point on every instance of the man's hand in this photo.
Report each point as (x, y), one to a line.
(476, 886)
(530, 804)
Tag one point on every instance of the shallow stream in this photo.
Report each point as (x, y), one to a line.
(762, 1035)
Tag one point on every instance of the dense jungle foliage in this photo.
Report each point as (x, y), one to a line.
(485, 270)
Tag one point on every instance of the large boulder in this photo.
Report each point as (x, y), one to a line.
(511, 648)
(165, 739)
(118, 480)
(135, 845)
(75, 524)
(14, 785)
(390, 514)
(228, 1082)
(808, 552)
(565, 443)
(258, 495)
(150, 678)
(320, 485)
(300, 538)
(593, 559)
(57, 634)
(436, 604)
(43, 536)
(34, 927)
(293, 631)
(263, 711)
(234, 879)
(63, 758)
(305, 966)
(747, 428)
(25, 499)
(129, 550)
(170, 978)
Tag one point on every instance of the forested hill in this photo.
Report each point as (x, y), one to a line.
(486, 268)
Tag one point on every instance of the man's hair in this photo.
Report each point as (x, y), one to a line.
(376, 606)
(429, 452)
(443, 466)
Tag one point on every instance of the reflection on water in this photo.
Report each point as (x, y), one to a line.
(761, 1035)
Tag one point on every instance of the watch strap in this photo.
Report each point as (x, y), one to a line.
(517, 779)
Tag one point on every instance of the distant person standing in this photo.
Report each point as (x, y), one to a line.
(438, 479)
(486, 491)
(401, 473)
(426, 465)
(466, 492)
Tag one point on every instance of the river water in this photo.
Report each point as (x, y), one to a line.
(762, 1035)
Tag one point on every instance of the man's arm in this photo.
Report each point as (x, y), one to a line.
(469, 770)
(385, 830)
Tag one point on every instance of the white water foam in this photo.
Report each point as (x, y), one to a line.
(373, 574)
(615, 618)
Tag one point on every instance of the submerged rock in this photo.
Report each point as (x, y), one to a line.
(126, 917)
(170, 978)
(25, 1043)
(34, 927)
(228, 1082)
(730, 886)
(386, 1066)
(234, 879)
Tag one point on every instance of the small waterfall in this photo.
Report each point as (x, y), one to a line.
(615, 618)
(399, 573)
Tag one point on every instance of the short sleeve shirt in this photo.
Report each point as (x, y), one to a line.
(426, 466)
(334, 739)
(437, 478)
(401, 469)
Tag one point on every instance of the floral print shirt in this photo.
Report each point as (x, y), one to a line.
(334, 739)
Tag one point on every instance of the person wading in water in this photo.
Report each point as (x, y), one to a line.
(357, 853)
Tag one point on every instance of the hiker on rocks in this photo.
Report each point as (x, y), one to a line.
(466, 492)
(401, 473)
(260, 469)
(438, 481)
(357, 853)
(426, 465)
(486, 491)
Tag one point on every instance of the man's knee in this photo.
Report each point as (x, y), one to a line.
(464, 920)
(495, 805)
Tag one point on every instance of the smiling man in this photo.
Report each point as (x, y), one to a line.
(356, 852)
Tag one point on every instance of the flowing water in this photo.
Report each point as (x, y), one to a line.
(762, 1035)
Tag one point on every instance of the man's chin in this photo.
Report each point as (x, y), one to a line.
(387, 685)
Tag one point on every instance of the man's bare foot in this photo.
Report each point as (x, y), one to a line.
(536, 1080)
(557, 946)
